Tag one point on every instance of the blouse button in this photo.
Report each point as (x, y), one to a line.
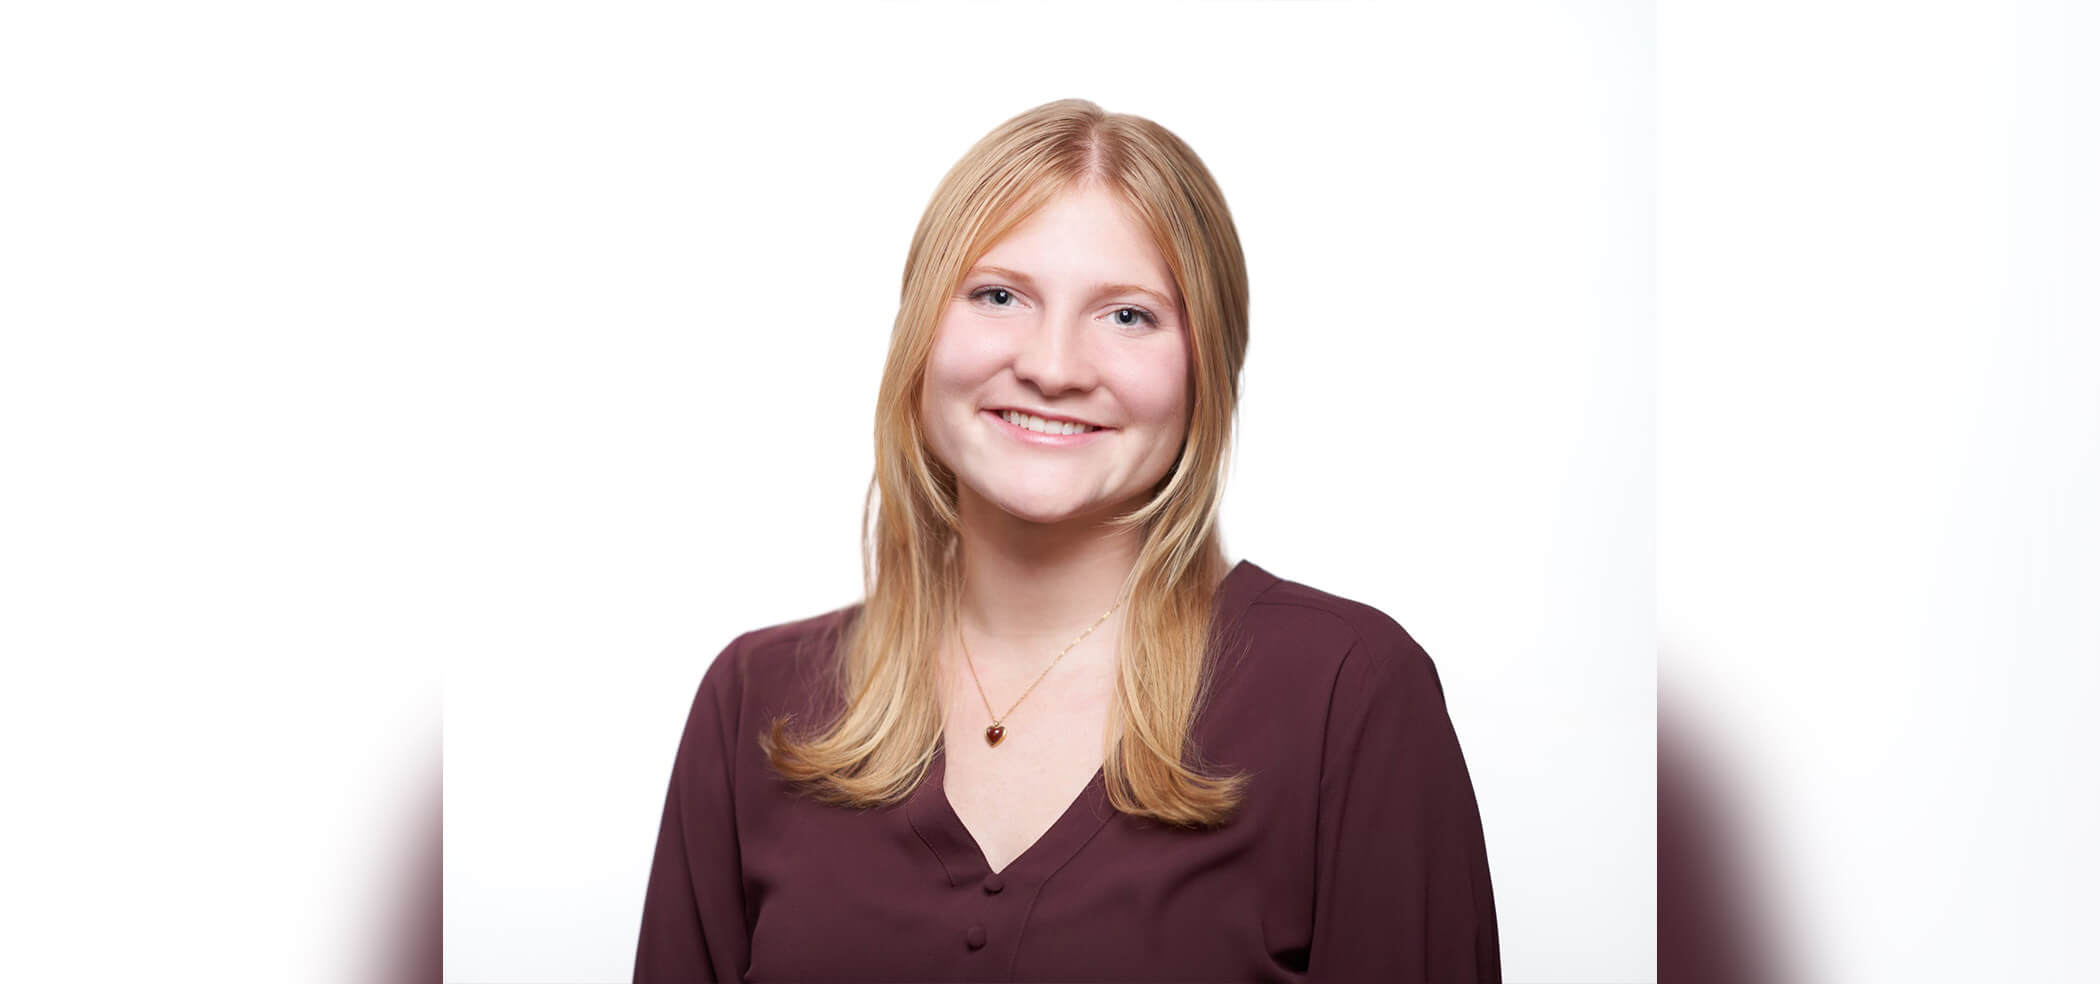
(974, 936)
(993, 884)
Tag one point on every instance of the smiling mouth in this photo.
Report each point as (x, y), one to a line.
(1039, 425)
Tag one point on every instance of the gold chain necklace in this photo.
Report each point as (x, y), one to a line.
(996, 732)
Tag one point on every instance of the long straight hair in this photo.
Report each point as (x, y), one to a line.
(883, 742)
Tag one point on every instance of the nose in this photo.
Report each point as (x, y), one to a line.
(1052, 355)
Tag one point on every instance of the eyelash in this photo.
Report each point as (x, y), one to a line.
(1141, 312)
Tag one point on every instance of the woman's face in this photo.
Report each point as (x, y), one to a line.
(1075, 317)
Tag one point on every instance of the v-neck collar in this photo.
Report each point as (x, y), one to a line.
(942, 829)
(934, 818)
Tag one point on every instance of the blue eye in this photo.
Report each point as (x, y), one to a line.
(1143, 316)
(1002, 297)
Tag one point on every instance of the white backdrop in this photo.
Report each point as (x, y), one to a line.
(537, 344)
(1447, 405)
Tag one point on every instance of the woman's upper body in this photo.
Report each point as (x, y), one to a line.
(1236, 778)
(1356, 854)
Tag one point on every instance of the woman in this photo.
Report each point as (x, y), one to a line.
(1061, 738)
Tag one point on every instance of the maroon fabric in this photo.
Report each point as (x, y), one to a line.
(1357, 855)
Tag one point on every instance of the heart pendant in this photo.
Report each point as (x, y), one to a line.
(993, 734)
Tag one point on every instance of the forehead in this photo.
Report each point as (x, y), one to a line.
(1085, 235)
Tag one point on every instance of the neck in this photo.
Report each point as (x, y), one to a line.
(1028, 586)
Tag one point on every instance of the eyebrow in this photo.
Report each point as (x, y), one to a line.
(1099, 289)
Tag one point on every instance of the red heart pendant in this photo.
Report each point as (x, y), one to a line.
(993, 734)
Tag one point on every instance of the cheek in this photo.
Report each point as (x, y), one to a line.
(960, 360)
(1152, 387)
(943, 381)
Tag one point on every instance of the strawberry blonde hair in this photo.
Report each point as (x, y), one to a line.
(881, 745)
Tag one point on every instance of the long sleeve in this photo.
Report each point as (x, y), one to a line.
(693, 913)
(1401, 891)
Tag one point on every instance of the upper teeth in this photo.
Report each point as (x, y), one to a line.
(1041, 426)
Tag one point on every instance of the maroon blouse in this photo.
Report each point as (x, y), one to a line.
(1357, 855)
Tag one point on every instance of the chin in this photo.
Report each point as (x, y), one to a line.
(1041, 509)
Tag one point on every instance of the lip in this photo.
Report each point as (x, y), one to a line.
(1043, 440)
(1046, 415)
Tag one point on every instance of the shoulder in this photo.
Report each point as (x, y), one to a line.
(1333, 617)
(783, 661)
(785, 640)
(1364, 641)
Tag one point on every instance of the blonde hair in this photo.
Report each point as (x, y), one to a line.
(884, 741)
